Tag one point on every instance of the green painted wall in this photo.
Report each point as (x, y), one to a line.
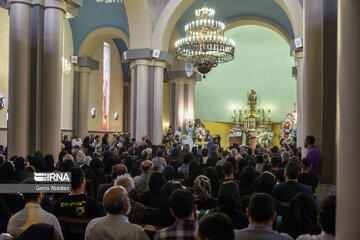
(262, 62)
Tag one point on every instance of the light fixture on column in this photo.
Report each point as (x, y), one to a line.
(116, 116)
(93, 112)
(66, 66)
(2, 102)
(205, 45)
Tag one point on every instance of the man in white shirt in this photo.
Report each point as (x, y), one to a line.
(76, 141)
(31, 214)
(115, 225)
(178, 132)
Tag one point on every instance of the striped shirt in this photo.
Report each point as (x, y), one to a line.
(180, 230)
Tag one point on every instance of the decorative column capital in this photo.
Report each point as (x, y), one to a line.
(146, 53)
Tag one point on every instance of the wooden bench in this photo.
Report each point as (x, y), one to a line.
(73, 228)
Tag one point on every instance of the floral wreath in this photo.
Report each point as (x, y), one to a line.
(288, 129)
(265, 137)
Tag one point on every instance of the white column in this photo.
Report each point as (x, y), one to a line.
(179, 104)
(348, 115)
(52, 71)
(312, 84)
(133, 101)
(158, 102)
(191, 99)
(299, 101)
(19, 78)
(83, 101)
(140, 97)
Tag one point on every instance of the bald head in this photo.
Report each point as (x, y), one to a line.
(147, 166)
(118, 170)
(116, 200)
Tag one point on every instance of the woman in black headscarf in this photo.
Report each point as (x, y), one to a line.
(104, 142)
(19, 164)
(265, 183)
(156, 181)
(300, 217)
(194, 171)
(247, 178)
(7, 172)
(97, 173)
(212, 175)
(49, 163)
(203, 194)
(161, 216)
(59, 164)
(229, 204)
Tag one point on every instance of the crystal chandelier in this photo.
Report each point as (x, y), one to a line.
(205, 45)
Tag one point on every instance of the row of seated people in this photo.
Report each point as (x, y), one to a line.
(228, 203)
(215, 225)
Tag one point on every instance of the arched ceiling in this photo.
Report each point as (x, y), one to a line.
(231, 9)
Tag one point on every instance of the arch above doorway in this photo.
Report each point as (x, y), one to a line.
(93, 39)
(258, 21)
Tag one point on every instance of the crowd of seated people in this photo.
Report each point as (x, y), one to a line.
(120, 187)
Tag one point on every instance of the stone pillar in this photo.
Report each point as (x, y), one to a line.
(139, 98)
(52, 71)
(127, 107)
(158, 103)
(348, 115)
(179, 104)
(190, 114)
(327, 167)
(19, 78)
(312, 84)
(299, 98)
(83, 101)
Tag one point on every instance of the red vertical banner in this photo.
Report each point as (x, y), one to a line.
(106, 87)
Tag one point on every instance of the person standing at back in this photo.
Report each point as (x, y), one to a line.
(313, 154)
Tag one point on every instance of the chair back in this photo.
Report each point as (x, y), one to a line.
(73, 228)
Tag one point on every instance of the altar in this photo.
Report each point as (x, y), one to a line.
(248, 123)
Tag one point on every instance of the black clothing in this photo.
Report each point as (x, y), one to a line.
(286, 191)
(309, 179)
(279, 174)
(300, 217)
(80, 205)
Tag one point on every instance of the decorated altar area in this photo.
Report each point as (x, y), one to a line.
(249, 126)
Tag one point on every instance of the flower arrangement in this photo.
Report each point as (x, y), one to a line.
(199, 132)
(265, 137)
(288, 129)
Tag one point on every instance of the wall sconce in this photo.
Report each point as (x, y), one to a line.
(93, 112)
(66, 66)
(2, 102)
(116, 116)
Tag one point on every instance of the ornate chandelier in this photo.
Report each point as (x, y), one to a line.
(205, 45)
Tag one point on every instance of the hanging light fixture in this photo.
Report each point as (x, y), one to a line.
(204, 44)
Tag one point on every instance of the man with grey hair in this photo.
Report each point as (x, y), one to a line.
(115, 224)
(285, 158)
(138, 213)
(142, 181)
